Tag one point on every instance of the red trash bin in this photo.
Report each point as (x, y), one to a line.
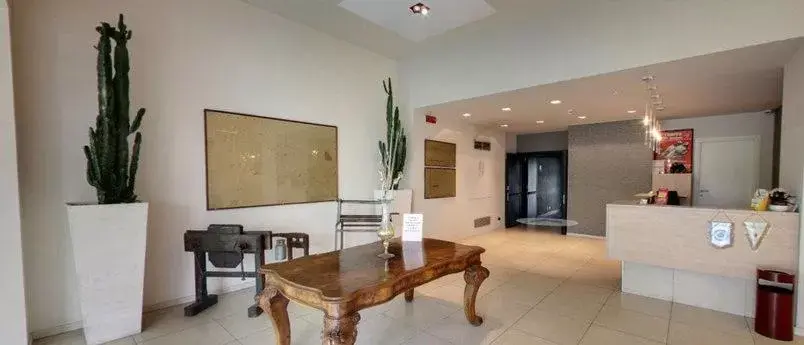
(774, 309)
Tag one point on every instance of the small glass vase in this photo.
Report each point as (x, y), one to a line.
(386, 230)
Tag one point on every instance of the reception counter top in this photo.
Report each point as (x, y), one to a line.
(676, 237)
(665, 253)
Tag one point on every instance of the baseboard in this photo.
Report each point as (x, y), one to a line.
(72, 326)
(49, 332)
(586, 236)
(799, 331)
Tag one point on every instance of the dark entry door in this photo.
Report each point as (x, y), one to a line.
(514, 188)
(536, 185)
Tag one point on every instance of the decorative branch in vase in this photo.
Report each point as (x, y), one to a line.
(393, 152)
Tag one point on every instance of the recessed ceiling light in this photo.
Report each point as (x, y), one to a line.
(466, 114)
(632, 111)
(420, 8)
(506, 109)
(540, 122)
(504, 125)
(555, 101)
(581, 117)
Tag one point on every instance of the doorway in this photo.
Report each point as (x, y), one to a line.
(727, 171)
(536, 186)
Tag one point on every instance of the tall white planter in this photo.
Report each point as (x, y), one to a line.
(109, 250)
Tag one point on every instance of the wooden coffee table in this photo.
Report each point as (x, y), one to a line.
(341, 283)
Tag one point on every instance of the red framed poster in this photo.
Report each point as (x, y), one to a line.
(675, 149)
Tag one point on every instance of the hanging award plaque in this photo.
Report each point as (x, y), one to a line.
(720, 234)
(756, 228)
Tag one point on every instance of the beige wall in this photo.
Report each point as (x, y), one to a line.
(791, 157)
(13, 325)
(187, 55)
(453, 218)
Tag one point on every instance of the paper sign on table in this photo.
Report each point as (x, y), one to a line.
(412, 227)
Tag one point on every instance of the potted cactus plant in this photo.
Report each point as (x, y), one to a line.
(109, 236)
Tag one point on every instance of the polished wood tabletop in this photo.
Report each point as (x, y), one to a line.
(341, 283)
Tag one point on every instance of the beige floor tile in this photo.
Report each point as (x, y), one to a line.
(420, 313)
(710, 319)
(230, 304)
(557, 329)
(169, 321)
(602, 336)
(77, 338)
(301, 333)
(597, 276)
(583, 293)
(423, 338)
(496, 319)
(240, 325)
(645, 305)
(635, 323)
(384, 330)
(508, 293)
(534, 281)
(569, 306)
(207, 334)
(516, 337)
(683, 334)
(451, 294)
(763, 340)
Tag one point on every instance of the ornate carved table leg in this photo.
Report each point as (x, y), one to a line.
(276, 304)
(340, 331)
(409, 295)
(474, 276)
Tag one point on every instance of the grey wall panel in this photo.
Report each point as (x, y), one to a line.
(607, 162)
(539, 142)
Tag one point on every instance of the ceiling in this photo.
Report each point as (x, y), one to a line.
(386, 26)
(736, 81)
(396, 16)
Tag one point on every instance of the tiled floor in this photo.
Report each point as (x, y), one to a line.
(544, 289)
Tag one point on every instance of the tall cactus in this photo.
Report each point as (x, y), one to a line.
(394, 150)
(108, 167)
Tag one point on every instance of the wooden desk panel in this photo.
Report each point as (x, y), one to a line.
(675, 237)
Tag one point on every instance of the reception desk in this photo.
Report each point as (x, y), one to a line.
(666, 254)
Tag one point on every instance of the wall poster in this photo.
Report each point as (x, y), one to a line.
(675, 149)
(262, 161)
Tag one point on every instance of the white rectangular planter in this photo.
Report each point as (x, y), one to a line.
(109, 250)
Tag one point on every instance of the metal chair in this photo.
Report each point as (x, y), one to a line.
(366, 219)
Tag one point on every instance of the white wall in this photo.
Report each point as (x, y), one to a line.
(791, 157)
(557, 40)
(187, 55)
(735, 125)
(453, 218)
(13, 325)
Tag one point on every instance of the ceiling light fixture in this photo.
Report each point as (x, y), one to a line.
(632, 111)
(555, 101)
(420, 8)
(540, 122)
(506, 109)
(582, 117)
(504, 125)
(466, 114)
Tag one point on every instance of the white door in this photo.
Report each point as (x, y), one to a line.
(726, 172)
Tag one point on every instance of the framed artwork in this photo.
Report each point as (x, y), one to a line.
(263, 161)
(439, 183)
(675, 147)
(439, 154)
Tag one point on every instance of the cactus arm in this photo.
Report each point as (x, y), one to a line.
(137, 121)
(135, 163)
